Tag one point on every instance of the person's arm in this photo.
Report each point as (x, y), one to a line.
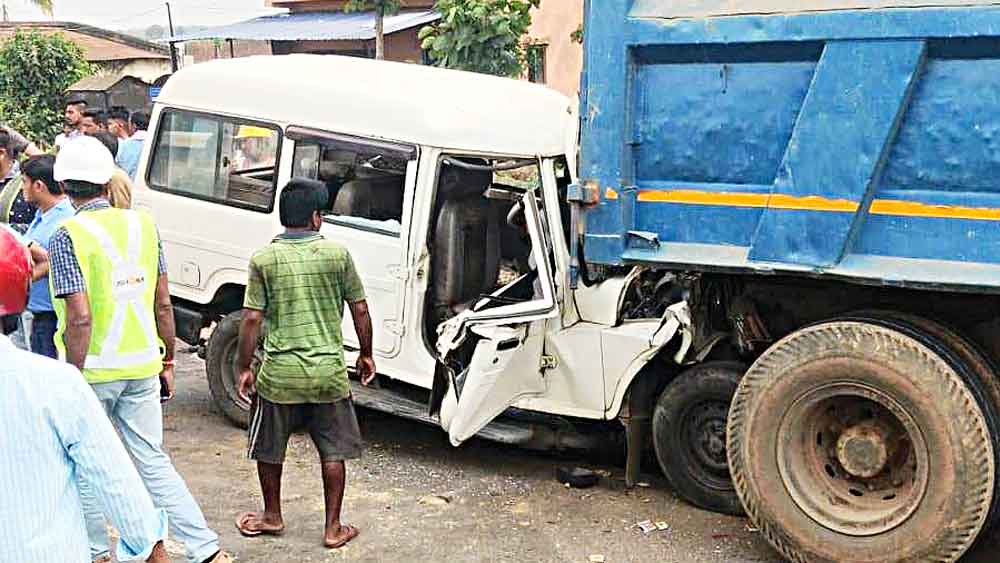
(249, 332)
(101, 461)
(68, 284)
(363, 325)
(254, 304)
(32, 150)
(167, 332)
(39, 261)
(354, 295)
(78, 328)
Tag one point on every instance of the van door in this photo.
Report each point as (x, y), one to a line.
(507, 363)
(370, 185)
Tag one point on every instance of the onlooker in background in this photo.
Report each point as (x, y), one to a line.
(118, 123)
(300, 284)
(120, 187)
(73, 119)
(53, 206)
(130, 150)
(20, 144)
(13, 209)
(94, 120)
(109, 274)
(54, 435)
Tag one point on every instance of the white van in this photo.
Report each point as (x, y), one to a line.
(448, 188)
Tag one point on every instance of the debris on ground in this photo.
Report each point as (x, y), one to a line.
(751, 528)
(434, 500)
(597, 558)
(646, 526)
(662, 526)
(577, 477)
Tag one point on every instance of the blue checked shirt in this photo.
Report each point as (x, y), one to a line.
(67, 277)
(53, 432)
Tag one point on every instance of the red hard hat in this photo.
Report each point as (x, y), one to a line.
(15, 273)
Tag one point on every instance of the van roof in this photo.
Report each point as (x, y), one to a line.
(396, 101)
(710, 8)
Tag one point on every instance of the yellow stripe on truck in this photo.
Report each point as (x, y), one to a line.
(894, 207)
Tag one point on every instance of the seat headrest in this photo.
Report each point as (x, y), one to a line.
(371, 198)
(458, 182)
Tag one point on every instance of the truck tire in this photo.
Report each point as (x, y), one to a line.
(689, 435)
(969, 361)
(220, 363)
(850, 441)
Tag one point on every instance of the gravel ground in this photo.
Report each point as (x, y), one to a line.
(416, 498)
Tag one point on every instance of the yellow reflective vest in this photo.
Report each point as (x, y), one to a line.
(118, 252)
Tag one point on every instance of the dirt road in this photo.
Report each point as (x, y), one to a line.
(417, 499)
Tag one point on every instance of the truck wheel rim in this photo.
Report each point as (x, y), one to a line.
(852, 458)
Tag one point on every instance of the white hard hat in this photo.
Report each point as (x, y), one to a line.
(84, 159)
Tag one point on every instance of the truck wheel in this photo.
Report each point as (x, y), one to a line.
(689, 435)
(220, 363)
(971, 364)
(854, 442)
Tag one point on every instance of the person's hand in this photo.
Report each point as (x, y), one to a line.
(248, 384)
(159, 554)
(366, 369)
(167, 383)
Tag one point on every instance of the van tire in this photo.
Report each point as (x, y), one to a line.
(689, 424)
(931, 497)
(223, 376)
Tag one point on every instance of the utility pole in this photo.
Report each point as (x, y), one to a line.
(173, 48)
(6, 18)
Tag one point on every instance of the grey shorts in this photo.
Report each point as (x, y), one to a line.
(333, 427)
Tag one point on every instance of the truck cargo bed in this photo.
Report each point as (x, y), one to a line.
(863, 144)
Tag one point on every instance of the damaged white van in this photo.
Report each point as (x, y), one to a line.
(451, 190)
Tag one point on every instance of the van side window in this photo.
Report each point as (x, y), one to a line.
(216, 158)
(366, 180)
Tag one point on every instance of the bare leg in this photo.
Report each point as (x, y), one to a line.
(269, 521)
(334, 479)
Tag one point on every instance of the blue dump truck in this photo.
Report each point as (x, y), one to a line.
(820, 181)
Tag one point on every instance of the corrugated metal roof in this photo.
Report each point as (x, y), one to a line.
(317, 26)
(709, 8)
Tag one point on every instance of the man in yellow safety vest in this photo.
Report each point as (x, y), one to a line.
(116, 325)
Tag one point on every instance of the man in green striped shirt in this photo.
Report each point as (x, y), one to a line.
(297, 288)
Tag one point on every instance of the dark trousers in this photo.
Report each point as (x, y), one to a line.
(43, 331)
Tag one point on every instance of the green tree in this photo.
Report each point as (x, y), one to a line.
(35, 71)
(480, 35)
(382, 8)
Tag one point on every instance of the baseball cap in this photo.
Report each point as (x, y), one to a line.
(84, 159)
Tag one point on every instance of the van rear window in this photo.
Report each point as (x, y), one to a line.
(220, 159)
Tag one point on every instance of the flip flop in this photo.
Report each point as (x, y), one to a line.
(352, 533)
(241, 523)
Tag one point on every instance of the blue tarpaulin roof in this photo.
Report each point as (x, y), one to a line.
(317, 26)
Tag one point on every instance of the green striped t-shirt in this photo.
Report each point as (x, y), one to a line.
(301, 282)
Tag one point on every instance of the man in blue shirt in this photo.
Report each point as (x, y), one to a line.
(53, 434)
(53, 206)
(130, 149)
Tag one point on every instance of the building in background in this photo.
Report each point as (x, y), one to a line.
(109, 90)
(555, 49)
(114, 53)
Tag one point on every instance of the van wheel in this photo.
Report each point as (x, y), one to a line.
(854, 442)
(220, 363)
(689, 435)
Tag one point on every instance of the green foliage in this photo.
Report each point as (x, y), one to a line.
(388, 7)
(480, 35)
(577, 35)
(35, 71)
